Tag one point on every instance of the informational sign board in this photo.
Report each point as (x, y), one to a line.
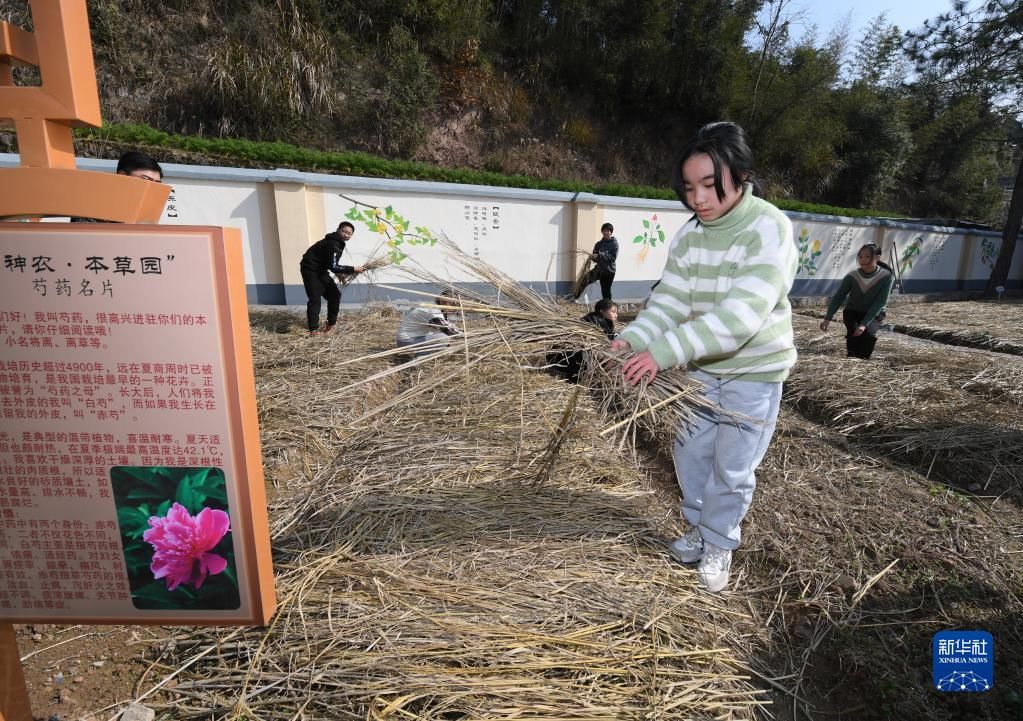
(131, 485)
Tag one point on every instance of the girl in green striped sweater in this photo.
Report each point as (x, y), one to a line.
(721, 310)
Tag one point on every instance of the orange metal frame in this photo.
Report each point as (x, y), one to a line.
(48, 184)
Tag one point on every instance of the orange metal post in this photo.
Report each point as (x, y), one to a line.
(47, 183)
(62, 48)
(14, 705)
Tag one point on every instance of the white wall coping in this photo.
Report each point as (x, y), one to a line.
(618, 201)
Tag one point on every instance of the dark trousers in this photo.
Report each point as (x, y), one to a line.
(861, 346)
(605, 279)
(320, 285)
(566, 363)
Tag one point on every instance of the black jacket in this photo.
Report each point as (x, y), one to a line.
(324, 255)
(607, 253)
(601, 322)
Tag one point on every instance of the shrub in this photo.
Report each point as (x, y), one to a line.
(580, 133)
(408, 88)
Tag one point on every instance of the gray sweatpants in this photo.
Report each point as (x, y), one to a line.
(716, 456)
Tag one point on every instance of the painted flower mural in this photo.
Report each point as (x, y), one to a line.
(909, 254)
(989, 248)
(183, 545)
(652, 235)
(809, 251)
(392, 227)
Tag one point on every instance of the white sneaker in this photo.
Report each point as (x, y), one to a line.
(714, 567)
(688, 548)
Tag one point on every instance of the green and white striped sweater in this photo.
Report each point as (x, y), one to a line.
(722, 303)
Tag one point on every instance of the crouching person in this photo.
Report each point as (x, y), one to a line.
(604, 315)
(427, 327)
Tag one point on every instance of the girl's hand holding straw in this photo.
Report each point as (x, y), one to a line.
(639, 367)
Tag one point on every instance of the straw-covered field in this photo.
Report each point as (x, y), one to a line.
(470, 536)
(988, 324)
(455, 538)
(915, 458)
(464, 554)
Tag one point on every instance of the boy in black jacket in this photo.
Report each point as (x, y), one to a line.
(324, 257)
(605, 253)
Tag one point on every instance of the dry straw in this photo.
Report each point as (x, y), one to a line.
(298, 382)
(514, 325)
(832, 513)
(992, 325)
(948, 412)
(471, 548)
(369, 270)
(583, 279)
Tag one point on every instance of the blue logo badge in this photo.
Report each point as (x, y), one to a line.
(963, 661)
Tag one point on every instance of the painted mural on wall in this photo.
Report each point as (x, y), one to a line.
(521, 235)
(170, 211)
(936, 252)
(845, 242)
(392, 227)
(483, 219)
(909, 254)
(809, 251)
(652, 234)
(989, 248)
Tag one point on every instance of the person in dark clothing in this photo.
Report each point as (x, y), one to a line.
(134, 164)
(139, 165)
(865, 292)
(604, 315)
(604, 255)
(321, 259)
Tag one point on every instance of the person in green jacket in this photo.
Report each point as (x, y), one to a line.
(721, 311)
(867, 289)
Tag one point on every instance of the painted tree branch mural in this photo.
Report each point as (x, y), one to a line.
(393, 228)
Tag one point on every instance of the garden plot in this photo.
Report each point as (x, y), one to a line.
(459, 538)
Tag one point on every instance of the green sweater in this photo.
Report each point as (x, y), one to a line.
(722, 303)
(868, 294)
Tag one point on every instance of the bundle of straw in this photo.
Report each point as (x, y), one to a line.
(583, 279)
(370, 267)
(515, 325)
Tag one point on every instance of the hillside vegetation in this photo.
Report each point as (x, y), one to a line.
(598, 92)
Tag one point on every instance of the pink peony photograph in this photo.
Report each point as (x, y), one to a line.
(176, 533)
